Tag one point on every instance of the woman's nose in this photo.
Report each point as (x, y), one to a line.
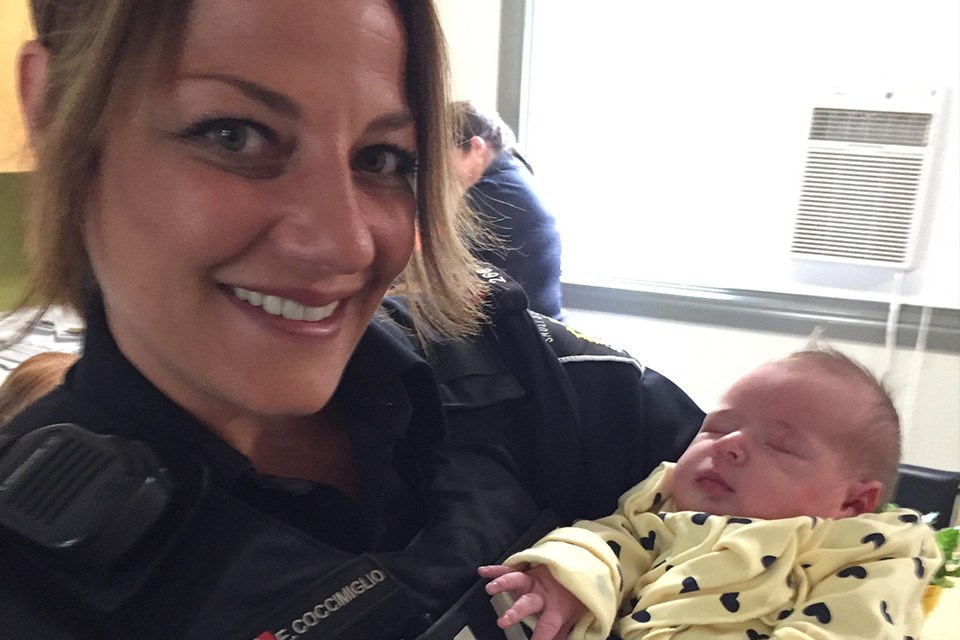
(732, 448)
(323, 226)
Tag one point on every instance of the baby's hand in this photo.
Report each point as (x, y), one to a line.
(535, 591)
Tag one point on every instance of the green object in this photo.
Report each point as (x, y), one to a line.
(13, 263)
(947, 540)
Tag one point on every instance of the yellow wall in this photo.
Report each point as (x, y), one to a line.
(14, 30)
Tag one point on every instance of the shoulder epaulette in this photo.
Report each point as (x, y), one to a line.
(503, 294)
(571, 345)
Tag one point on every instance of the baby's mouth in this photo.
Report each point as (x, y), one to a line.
(713, 483)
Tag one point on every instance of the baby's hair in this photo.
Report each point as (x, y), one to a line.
(877, 450)
(32, 379)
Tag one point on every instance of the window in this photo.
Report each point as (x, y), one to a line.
(669, 137)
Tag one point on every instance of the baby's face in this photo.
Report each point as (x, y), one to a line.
(770, 450)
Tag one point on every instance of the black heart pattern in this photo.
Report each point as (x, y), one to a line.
(918, 567)
(753, 635)
(699, 518)
(783, 614)
(876, 538)
(730, 602)
(616, 547)
(885, 612)
(689, 584)
(766, 561)
(819, 611)
(909, 517)
(856, 571)
(739, 521)
(641, 616)
(662, 515)
(648, 542)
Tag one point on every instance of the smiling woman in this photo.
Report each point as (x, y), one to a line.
(246, 172)
(225, 190)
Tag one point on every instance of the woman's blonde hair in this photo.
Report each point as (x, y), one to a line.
(100, 53)
(33, 378)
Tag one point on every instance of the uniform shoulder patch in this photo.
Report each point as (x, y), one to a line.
(572, 345)
(503, 293)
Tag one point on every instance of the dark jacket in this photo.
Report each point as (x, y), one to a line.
(460, 455)
(505, 196)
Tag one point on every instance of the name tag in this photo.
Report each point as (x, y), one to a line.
(357, 600)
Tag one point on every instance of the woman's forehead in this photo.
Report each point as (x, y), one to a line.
(295, 42)
(254, 17)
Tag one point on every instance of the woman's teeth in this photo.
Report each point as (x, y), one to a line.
(285, 307)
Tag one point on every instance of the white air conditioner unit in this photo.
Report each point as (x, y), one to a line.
(864, 192)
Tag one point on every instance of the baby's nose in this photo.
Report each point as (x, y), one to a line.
(733, 447)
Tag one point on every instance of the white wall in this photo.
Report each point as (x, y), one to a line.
(472, 29)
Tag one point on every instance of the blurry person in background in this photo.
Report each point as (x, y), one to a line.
(500, 187)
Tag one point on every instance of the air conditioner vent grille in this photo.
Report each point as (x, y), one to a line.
(858, 207)
(871, 127)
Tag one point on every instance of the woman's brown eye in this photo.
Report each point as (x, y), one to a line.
(234, 135)
(385, 160)
(245, 147)
(230, 138)
(374, 163)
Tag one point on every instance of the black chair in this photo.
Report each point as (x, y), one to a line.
(926, 490)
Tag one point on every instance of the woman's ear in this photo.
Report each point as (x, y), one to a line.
(32, 87)
(477, 145)
(862, 497)
(472, 161)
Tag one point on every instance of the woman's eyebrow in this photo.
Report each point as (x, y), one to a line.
(270, 99)
(390, 122)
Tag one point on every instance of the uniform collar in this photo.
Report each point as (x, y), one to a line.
(507, 160)
(377, 392)
(503, 161)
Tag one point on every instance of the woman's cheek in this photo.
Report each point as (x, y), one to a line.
(396, 229)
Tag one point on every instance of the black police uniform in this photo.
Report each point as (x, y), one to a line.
(463, 454)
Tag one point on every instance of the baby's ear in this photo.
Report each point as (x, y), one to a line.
(862, 497)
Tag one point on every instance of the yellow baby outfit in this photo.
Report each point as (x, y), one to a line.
(650, 572)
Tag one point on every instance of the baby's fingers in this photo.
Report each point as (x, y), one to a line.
(514, 582)
(526, 605)
(494, 570)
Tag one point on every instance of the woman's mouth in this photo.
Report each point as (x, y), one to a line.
(285, 307)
